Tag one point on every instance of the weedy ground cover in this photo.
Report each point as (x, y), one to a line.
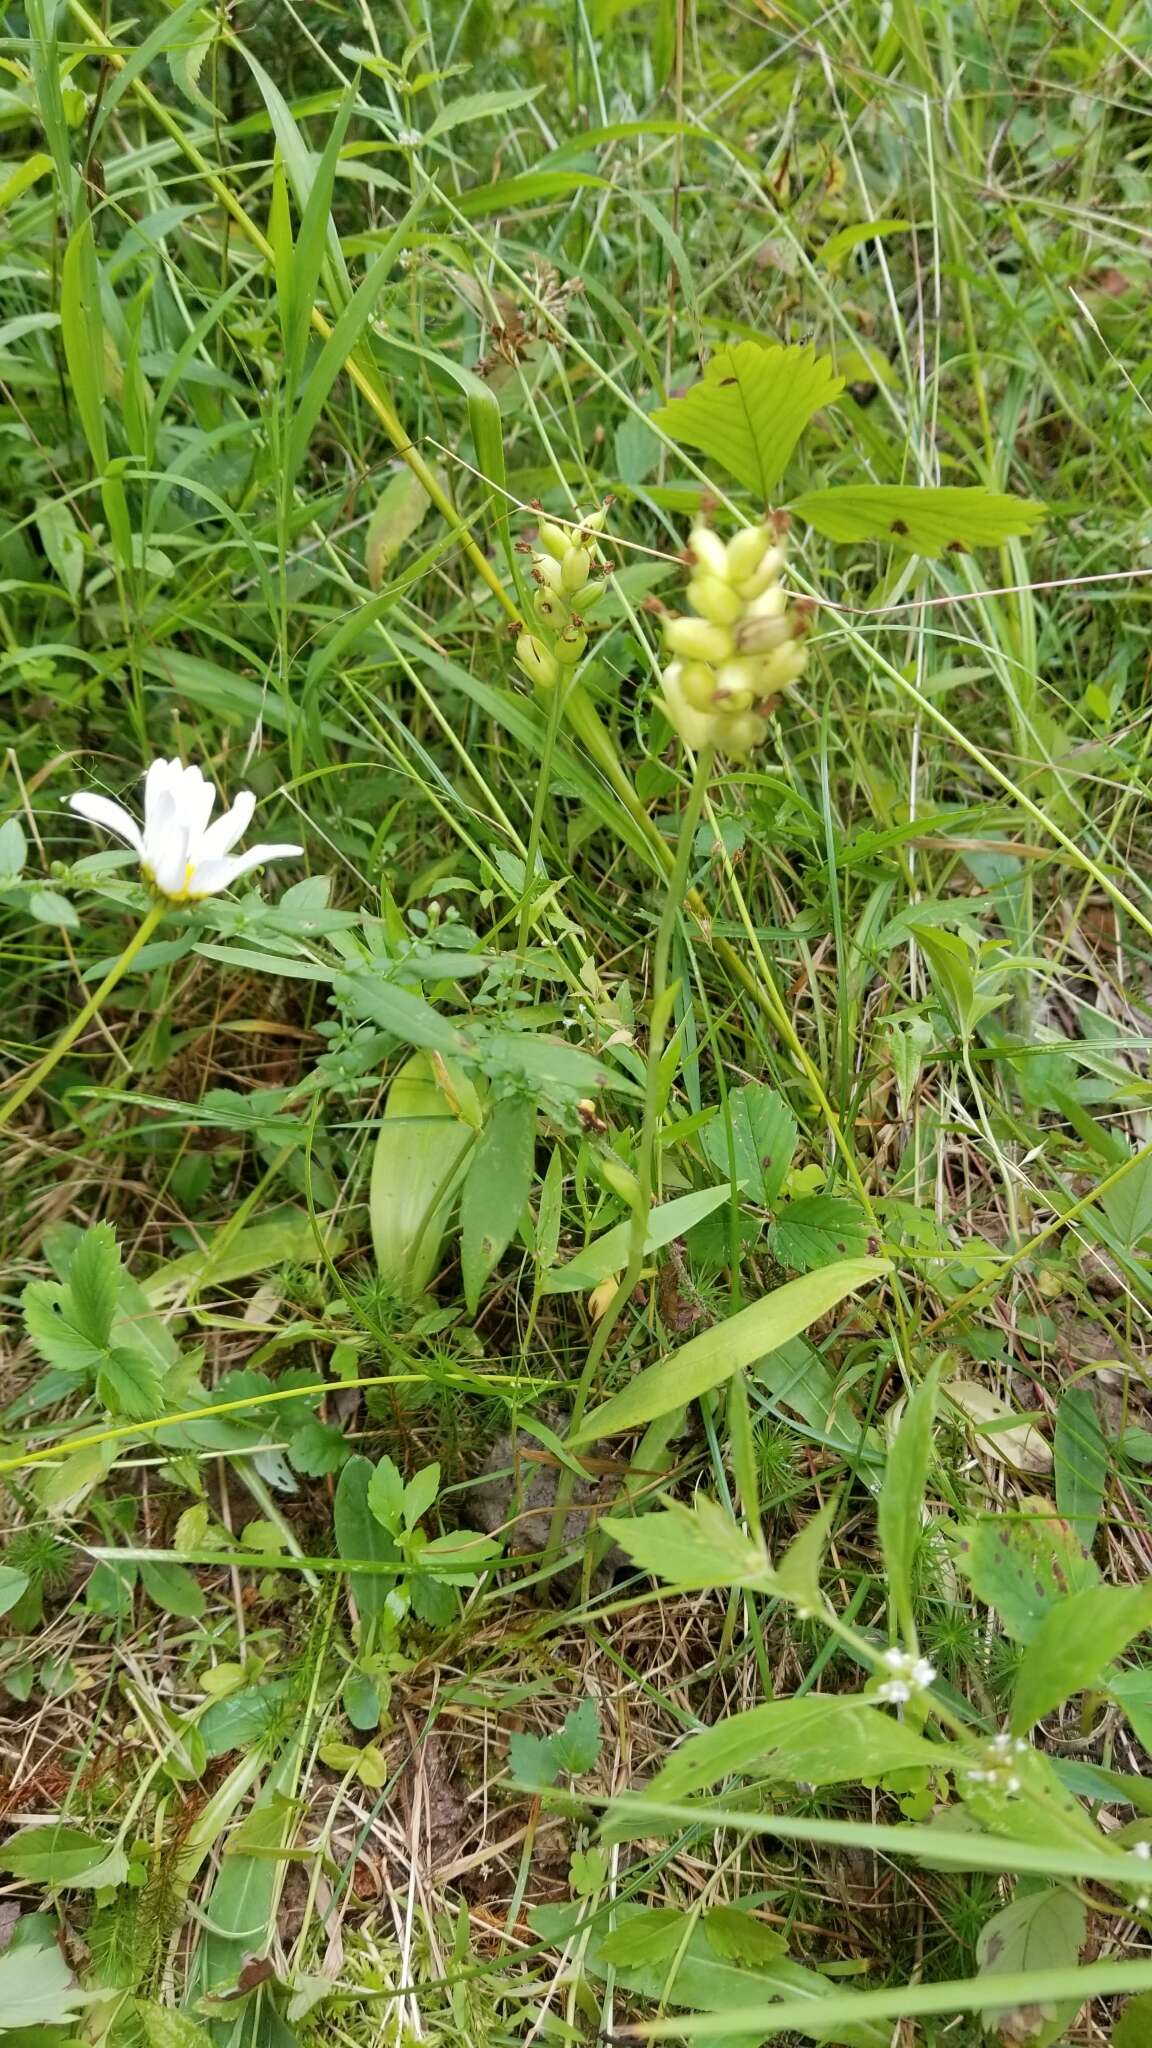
(575, 901)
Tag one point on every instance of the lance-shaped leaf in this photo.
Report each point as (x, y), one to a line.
(951, 520)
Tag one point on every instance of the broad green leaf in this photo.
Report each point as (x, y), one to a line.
(62, 540)
(763, 1141)
(530, 188)
(1073, 1646)
(817, 1229)
(538, 1760)
(1042, 1929)
(699, 1545)
(841, 244)
(385, 1495)
(417, 1167)
(37, 1988)
(1133, 2029)
(50, 1320)
(317, 1449)
(899, 1509)
(820, 1739)
(82, 331)
(242, 1719)
(62, 1855)
(172, 1587)
(13, 850)
(285, 1238)
(400, 511)
(930, 521)
(361, 1701)
(1081, 1459)
(609, 1253)
(750, 409)
(360, 1539)
(495, 1192)
(129, 1384)
(419, 1495)
(707, 1982)
(1128, 1206)
(13, 1586)
(25, 175)
(796, 1575)
(1023, 1565)
(708, 1360)
(48, 906)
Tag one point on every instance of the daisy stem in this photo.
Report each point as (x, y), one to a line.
(83, 1018)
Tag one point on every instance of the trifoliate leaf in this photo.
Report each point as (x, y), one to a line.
(317, 1449)
(762, 1143)
(750, 409)
(951, 519)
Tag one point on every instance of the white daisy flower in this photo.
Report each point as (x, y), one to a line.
(181, 854)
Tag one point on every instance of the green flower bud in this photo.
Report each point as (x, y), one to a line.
(743, 733)
(764, 577)
(696, 728)
(534, 658)
(576, 568)
(698, 684)
(698, 639)
(550, 610)
(786, 666)
(586, 598)
(593, 522)
(715, 601)
(739, 679)
(761, 636)
(555, 540)
(710, 552)
(746, 551)
(547, 573)
(570, 646)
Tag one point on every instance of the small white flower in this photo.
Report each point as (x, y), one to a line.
(181, 854)
(1142, 1851)
(909, 1675)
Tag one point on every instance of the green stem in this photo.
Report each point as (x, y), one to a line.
(83, 1018)
(658, 1010)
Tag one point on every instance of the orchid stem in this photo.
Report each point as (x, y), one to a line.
(83, 1018)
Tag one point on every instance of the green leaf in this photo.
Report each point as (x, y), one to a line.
(1133, 2029)
(361, 1540)
(62, 540)
(37, 1988)
(1043, 1929)
(820, 1739)
(61, 1855)
(50, 1320)
(13, 850)
(400, 511)
(129, 1384)
(48, 906)
(817, 1229)
(1081, 1459)
(796, 1575)
(317, 1448)
(385, 1495)
(173, 1588)
(162, 2025)
(361, 1701)
(1023, 1566)
(1074, 1644)
(609, 1253)
(931, 521)
(1128, 1206)
(417, 1167)
(750, 409)
(82, 331)
(537, 1760)
(651, 1937)
(479, 106)
(13, 1586)
(898, 1511)
(696, 1546)
(763, 1141)
(708, 1360)
(419, 1494)
(495, 1192)
(839, 245)
(187, 55)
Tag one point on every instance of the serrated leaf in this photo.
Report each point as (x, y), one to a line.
(750, 409)
(708, 1360)
(817, 1229)
(1128, 1206)
(37, 1988)
(317, 1448)
(495, 1192)
(62, 1855)
(689, 1546)
(129, 1384)
(49, 1318)
(763, 1141)
(186, 59)
(576, 1746)
(1073, 1646)
(419, 1494)
(385, 1495)
(930, 521)
(94, 1282)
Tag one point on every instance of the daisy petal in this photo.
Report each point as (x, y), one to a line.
(221, 837)
(168, 860)
(100, 810)
(195, 800)
(213, 875)
(159, 787)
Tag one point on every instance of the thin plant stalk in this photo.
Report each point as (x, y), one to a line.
(83, 1017)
